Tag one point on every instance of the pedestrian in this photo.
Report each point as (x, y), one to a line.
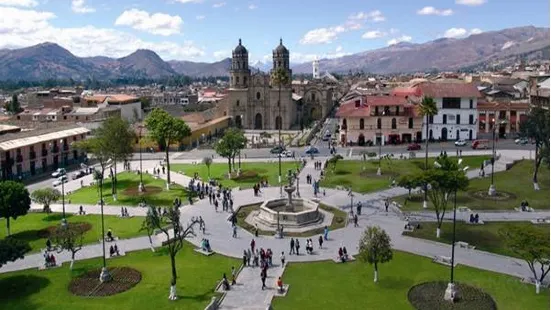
(355, 220)
(297, 245)
(244, 257)
(320, 240)
(292, 246)
(252, 245)
(326, 233)
(282, 257)
(234, 228)
(263, 278)
(386, 205)
(233, 282)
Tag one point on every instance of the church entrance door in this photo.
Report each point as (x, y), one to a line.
(258, 121)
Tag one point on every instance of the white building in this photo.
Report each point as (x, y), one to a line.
(457, 112)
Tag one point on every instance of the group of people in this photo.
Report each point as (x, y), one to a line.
(114, 250)
(343, 254)
(257, 186)
(49, 260)
(126, 165)
(524, 206)
(205, 245)
(318, 165)
(473, 219)
(310, 246)
(225, 195)
(124, 212)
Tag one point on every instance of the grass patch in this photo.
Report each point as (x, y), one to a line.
(326, 285)
(197, 278)
(127, 185)
(339, 221)
(485, 237)
(251, 174)
(516, 181)
(362, 176)
(35, 227)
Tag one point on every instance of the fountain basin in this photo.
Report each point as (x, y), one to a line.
(301, 212)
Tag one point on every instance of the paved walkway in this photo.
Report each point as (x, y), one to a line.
(248, 294)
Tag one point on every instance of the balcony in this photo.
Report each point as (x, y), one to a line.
(32, 155)
(19, 158)
(44, 152)
(65, 147)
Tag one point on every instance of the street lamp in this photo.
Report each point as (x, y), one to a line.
(380, 144)
(104, 275)
(298, 182)
(279, 125)
(141, 187)
(351, 195)
(492, 190)
(451, 291)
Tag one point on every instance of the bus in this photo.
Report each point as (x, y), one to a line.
(480, 144)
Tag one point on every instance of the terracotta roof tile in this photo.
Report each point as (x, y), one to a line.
(441, 90)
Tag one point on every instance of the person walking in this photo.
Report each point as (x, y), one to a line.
(253, 243)
(320, 240)
(263, 278)
(297, 245)
(326, 233)
(234, 231)
(355, 220)
(233, 274)
(292, 246)
(386, 205)
(282, 257)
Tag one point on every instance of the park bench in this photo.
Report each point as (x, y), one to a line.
(540, 221)
(465, 245)
(527, 209)
(480, 222)
(121, 253)
(199, 250)
(444, 260)
(107, 239)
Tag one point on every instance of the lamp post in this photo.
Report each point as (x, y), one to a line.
(298, 185)
(492, 189)
(380, 145)
(351, 194)
(141, 187)
(104, 275)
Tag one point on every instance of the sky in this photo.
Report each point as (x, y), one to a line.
(207, 30)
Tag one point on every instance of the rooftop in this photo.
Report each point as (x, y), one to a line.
(455, 90)
(31, 137)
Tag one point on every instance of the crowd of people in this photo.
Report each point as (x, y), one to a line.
(49, 260)
(473, 219)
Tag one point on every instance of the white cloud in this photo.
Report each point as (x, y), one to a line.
(338, 49)
(430, 10)
(78, 6)
(158, 23)
(374, 16)
(218, 5)
(322, 35)
(253, 7)
(189, 1)
(219, 55)
(374, 34)
(21, 28)
(470, 2)
(460, 32)
(403, 38)
(200, 17)
(21, 3)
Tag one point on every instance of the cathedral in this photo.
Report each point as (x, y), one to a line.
(254, 101)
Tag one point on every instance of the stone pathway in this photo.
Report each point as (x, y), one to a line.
(248, 295)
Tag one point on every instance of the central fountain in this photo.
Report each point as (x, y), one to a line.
(293, 213)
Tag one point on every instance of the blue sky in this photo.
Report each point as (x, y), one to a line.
(207, 30)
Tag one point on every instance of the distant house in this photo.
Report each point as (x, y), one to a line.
(131, 106)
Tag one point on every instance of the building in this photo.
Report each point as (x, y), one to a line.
(539, 91)
(130, 106)
(508, 115)
(379, 119)
(29, 153)
(254, 100)
(316, 69)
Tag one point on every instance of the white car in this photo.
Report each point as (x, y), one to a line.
(61, 179)
(460, 142)
(286, 153)
(59, 172)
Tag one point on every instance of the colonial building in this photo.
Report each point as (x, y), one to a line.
(379, 119)
(254, 99)
(508, 116)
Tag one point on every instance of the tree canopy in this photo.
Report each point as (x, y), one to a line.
(536, 127)
(45, 196)
(375, 248)
(14, 201)
(230, 144)
(12, 249)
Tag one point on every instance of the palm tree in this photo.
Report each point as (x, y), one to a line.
(428, 109)
(280, 77)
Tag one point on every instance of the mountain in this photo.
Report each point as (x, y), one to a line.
(145, 63)
(201, 69)
(476, 51)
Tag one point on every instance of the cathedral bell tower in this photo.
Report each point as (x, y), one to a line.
(240, 72)
(281, 60)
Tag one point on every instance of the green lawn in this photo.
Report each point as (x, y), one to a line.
(252, 172)
(516, 181)
(351, 173)
(198, 276)
(31, 227)
(327, 285)
(485, 237)
(157, 196)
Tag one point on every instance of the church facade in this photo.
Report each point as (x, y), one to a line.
(254, 100)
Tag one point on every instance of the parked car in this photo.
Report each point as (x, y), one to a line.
(285, 154)
(311, 150)
(521, 141)
(79, 174)
(460, 142)
(61, 179)
(480, 144)
(277, 150)
(414, 147)
(59, 172)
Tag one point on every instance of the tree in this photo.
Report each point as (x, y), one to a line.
(12, 249)
(166, 130)
(428, 109)
(119, 139)
(231, 143)
(334, 160)
(169, 223)
(207, 160)
(532, 245)
(14, 201)
(410, 181)
(375, 248)
(443, 182)
(69, 238)
(536, 127)
(14, 107)
(146, 103)
(46, 196)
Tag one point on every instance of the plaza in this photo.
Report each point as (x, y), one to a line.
(315, 280)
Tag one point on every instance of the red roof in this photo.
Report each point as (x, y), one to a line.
(406, 91)
(455, 90)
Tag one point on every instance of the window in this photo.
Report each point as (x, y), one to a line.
(431, 119)
(76, 117)
(245, 81)
(379, 123)
(236, 80)
(65, 117)
(313, 97)
(361, 123)
(410, 123)
(257, 95)
(470, 104)
(237, 103)
(376, 111)
(393, 123)
(397, 110)
(444, 119)
(451, 103)
(458, 119)
(471, 119)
